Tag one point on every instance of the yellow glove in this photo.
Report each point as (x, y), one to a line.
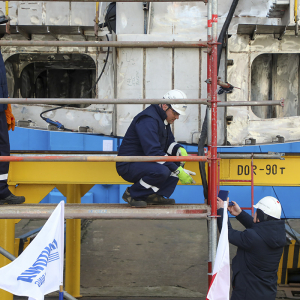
(10, 119)
(182, 152)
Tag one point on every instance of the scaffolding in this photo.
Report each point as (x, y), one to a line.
(76, 210)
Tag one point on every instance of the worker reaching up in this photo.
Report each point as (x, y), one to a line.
(150, 134)
(259, 249)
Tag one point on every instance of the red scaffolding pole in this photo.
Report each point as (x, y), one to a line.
(209, 33)
(213, 168)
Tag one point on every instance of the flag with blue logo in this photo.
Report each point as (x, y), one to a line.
(39, 269)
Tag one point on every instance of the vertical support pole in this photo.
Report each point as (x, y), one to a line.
(252, 188)
(114, 63)
(214, 115)
(73, 237)
(7, 240)
(218, 180)
(209, 32)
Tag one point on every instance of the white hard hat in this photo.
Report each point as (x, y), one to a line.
(177, 94)
(270, 206)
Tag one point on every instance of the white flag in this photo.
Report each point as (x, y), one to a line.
(220, 284)
(39, 269)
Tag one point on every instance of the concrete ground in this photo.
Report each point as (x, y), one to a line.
(143, 258)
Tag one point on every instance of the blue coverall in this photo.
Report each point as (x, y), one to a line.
(4, 138)
(149, 135)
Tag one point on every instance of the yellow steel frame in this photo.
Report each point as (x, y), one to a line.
(35, 180)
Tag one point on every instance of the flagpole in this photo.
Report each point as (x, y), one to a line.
(61, 293)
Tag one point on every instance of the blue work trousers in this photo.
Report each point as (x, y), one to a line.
(4, 151)
(148, 178)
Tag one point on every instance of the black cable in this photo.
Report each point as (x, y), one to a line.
(105, 63)
(54, 123)
(225, 29)
(201, 144)
(58, 124)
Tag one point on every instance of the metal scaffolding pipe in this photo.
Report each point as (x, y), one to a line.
(7, 254)
(209, 231)
(59, 101)
(119, 44)
(205, 1)
(214, 126)
(251, 103)
(250, 155)
(107, 211)
(87, 158)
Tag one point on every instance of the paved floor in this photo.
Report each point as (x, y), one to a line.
(124, 259)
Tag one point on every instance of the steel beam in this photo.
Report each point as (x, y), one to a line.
(73, 243)
(106, 211)
(119, 44)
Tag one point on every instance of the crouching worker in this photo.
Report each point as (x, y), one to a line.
(150, 134)
(259, 249)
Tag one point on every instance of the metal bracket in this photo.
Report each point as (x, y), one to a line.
(282, 34)
(23, 32)
(52, 34)
(253, 36)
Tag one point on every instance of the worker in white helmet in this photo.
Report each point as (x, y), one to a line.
(149, 134)
(260, 247)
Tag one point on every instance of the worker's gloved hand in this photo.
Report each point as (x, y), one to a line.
(10, 119)
(182, 152)
(185, 175)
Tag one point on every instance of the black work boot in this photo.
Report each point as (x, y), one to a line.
(155, 199)
(132, 202)
(12, 199)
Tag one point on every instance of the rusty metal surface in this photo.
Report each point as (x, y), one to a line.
(106, 211)
(119, 44)
(66, 158)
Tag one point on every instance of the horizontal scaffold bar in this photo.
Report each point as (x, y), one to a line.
(61, 101)
(119, 44)
(271, 155)
(106, 211)
(88, 158)
(205, 1)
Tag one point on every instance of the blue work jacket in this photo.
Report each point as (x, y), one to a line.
(148, 135)
(255, 266)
